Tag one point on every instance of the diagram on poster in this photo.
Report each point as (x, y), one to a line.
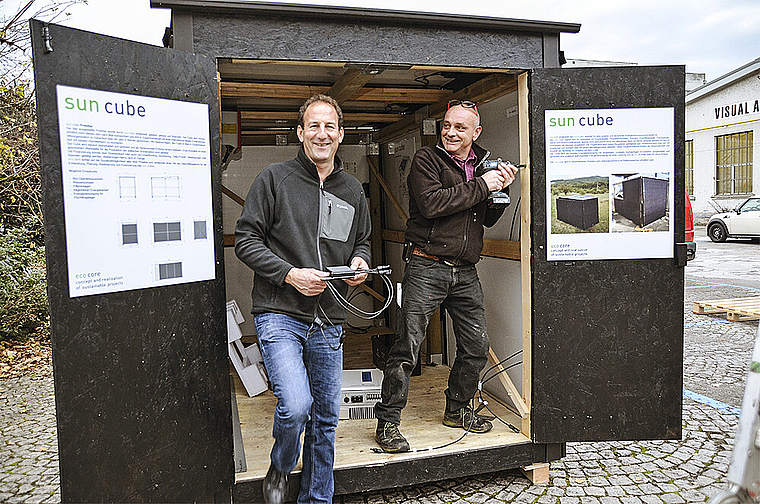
(609, 183)
(136, 191)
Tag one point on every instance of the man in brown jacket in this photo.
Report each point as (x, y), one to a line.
(448, 208)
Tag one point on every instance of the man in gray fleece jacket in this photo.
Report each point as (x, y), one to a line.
(300, 217)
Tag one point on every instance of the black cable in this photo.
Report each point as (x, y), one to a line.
(497, 374)
(497, 417)
(501, 362)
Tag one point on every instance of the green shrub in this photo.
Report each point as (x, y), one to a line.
(23, 294)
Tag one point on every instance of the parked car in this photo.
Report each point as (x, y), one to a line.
(742, 222)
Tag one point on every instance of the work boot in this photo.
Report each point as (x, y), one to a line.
(465, 419)
(389, 438)
(275, 486)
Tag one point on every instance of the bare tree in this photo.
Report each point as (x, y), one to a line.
(20, 198)
(15, 40)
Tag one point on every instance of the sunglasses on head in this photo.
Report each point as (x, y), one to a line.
(465, 104)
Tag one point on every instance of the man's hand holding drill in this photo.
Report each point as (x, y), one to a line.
(501, 177)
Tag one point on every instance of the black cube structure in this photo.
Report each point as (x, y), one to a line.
(143, 397)
(643, 200)
(579, 211)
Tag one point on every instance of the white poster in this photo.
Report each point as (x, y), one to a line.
(609, 183)
(136, 191)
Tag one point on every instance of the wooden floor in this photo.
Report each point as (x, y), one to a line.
(420, 423)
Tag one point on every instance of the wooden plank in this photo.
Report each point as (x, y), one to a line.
(269, 90)
(504, 249)
(512, 391)
(231, 194)
(292, 116)
(525, 244)
(402, 95)
(393, 235)
(384, 184)
(736, 309)
(304, 91)
(537, 473)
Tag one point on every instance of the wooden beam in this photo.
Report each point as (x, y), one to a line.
(352, 80)
(292, 117)
(234, 197)
(482, 91)
(394, 236)
(504, 249)
(525, 242)
(402, 95)
(512, 392)
(372, 292)
(501, 249)
(267, 90)
(538, 474)
(304, 91)
(387, 189)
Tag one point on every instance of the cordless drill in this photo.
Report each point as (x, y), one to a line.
(500, 198)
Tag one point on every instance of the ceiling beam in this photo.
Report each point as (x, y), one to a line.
(352, 80)
(348, 117)
(303, 92)
(484, 90)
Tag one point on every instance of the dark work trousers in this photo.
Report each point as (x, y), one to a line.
(427, 285)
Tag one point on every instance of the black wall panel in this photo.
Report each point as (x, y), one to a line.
(607, 335)
(322, 39)
(141, 377)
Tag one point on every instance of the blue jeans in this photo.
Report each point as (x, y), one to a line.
(427, 285)
(305, 367)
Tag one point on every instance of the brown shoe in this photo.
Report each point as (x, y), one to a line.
(464, 418)
(390, 438)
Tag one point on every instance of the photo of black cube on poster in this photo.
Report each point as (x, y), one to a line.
(580, 205)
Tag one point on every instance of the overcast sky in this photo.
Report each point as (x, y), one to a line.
(708, 36)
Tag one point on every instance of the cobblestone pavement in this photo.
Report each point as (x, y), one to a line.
(716, 353)
(28, 444)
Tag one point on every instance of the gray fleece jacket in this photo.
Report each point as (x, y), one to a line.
(285, 212)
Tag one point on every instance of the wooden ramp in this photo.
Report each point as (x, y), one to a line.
(736, 309)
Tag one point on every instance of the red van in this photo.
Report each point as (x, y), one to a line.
(691, 246)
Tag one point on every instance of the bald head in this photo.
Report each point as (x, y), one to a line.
(461, 127)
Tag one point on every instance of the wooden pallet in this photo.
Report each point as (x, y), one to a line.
(736, 309)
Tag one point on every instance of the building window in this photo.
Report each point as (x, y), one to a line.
(128, 234)
(166, 231)
(200, 230)
(733, 164)
(169, 270)
(689, 172)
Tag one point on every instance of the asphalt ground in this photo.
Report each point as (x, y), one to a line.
(716, 356)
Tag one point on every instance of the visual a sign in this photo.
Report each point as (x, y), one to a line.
(609, 183)
(136, 191)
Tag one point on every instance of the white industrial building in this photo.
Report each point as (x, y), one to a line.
(722, 118)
